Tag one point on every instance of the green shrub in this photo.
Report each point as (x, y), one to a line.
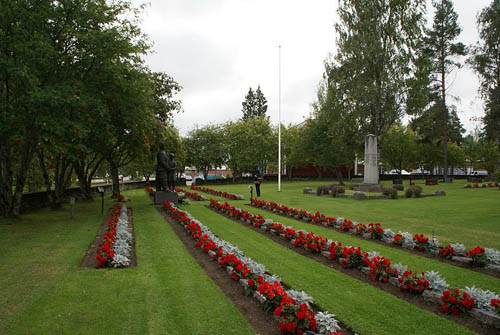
(496, 176)
(418, 190)
(340, 189)
(398, 187)
(386, 191)
(319, 190)
(413, 190)
(393, 193)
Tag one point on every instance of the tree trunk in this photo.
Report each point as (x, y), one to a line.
(26, 156)
(115, 179)
(339, 174)
(85, 190)
(318, 171)
(46, 178)
(498, 162)
(6, 181)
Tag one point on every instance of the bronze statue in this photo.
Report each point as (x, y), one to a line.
(171, 171)
(162, 170)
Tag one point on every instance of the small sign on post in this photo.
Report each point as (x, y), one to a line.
(100, 190)
(71, 204)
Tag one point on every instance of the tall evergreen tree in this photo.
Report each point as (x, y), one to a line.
(443, 50)
(254, 105)
(260, 102)
(486, 62)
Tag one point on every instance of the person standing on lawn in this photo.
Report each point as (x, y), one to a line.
(257, 179)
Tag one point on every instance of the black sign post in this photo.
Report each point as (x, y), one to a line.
(251, 194)
(100, 189)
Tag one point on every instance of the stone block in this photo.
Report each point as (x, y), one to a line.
(460, 259)
(493, 267)
(486, 317)
(161, 196)
(359, 196)
(432, 296)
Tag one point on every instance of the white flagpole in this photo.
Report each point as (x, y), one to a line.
(279, 118)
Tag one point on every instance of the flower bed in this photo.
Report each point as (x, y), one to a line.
(371, 263)
(227, 195)
(293, 309)
(192, 195)
(375, 231)
(115, 249)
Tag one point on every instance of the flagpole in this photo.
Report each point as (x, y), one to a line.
(279, 118)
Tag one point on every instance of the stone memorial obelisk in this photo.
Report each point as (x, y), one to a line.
(371, 160)
(370, 175)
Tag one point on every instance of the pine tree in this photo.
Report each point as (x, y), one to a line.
(442, 50)
(261, 103)
(254, 105)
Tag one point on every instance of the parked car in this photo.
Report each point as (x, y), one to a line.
(479, 173)
(215, 176)
(395, 172)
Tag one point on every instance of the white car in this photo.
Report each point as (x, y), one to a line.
(395, 172)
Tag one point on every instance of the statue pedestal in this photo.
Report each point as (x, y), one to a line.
(161, 196)
(369, 188)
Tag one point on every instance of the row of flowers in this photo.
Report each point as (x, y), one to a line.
(479, 256)
(483, 185)
(291, 308)
(114, 251)
(192, 195)
(377, 266)
(150, 190)
(224, 194)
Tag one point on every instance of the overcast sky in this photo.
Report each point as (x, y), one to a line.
(217, 49)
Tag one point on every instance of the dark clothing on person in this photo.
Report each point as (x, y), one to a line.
(257, 179)
(161, 171)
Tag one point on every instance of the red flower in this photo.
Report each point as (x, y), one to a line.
(444, 308)
(301, 315)
(291, 326)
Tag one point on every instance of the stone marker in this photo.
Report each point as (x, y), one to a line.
(371, 160)
(370, 175)
(161, 196)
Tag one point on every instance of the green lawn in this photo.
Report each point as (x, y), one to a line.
(43, 291)
(468, 216)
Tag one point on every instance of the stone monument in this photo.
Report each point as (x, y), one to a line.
(370, 175)
(371, 161)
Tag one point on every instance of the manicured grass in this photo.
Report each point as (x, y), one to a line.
(364, 308)
(43, 291)
(468, 216)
